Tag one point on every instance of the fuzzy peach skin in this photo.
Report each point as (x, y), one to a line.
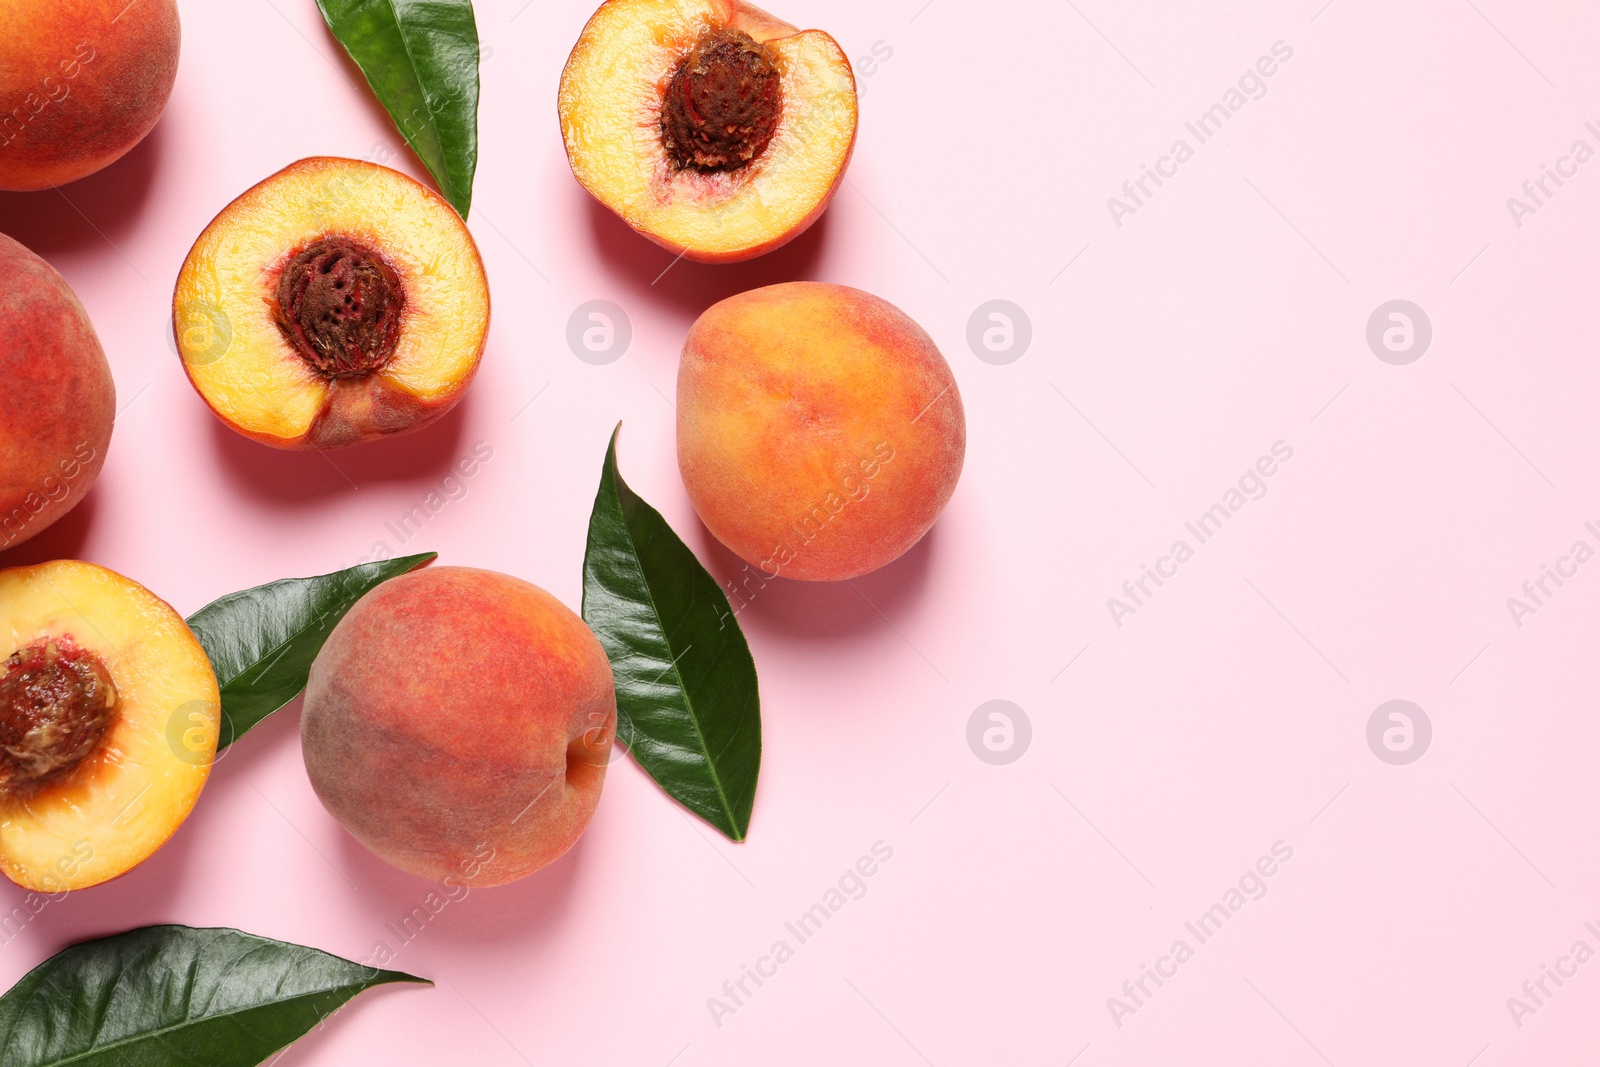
(820, 432)
(82, 82)
(57, 399)
(238, 358)
(459, 722)
(610, 104)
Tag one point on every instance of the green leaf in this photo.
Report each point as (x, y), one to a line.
(261, 641)
(172, 995)
(421, 59)
(687, 705)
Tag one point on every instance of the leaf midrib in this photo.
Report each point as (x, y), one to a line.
(274, 650)
(113, 1046)
(694, 715)
(433, 116)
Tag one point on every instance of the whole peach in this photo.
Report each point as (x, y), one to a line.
(82, 82)
(459, 722)
(820, 432)
(57, 399)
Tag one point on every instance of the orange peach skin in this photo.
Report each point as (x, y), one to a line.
(57, 399)
(458, 722)
(611, 87)
(85, 81)
(820, 432)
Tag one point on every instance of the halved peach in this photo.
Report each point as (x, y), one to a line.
(336, 302)
(711, 127)
(109, 715)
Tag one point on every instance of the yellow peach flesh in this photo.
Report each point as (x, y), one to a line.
(129, 796)
(610, 105)
(237, 356)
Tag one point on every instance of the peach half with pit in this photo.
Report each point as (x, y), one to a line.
(109, 716)
(84, 81)
(57, 399)
(336, 302)
(709, 126)
(458, 722)
(820, 431)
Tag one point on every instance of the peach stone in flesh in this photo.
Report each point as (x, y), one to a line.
(709, 126)
(56, 703)
(339, 304)
(722, 105)
(335, 302)
(109, 718)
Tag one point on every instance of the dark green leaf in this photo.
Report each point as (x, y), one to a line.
(421, 59)
(262, 641)
(687, 705)
(165, 996)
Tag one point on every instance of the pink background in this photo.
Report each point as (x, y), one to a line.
(1168, 754)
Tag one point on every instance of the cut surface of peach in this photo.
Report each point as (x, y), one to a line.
(612, 103)
(377, 328)
(109, 716)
